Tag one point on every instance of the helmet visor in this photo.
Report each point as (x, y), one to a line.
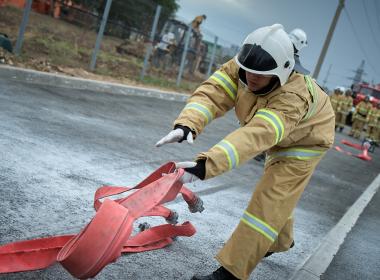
(256, 58)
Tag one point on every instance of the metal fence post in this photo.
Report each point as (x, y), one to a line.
(24, 22)
(151, 39)
(183, 59)
(100, 34)
(212, 56)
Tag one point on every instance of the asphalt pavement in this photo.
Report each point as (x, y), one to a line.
(359, 256)
(58, 145)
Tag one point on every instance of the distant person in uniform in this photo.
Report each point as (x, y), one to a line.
(299, 40)
(360, 117)
(163, 49)
(335, 100)
(344, 108)
(197, 21)
(373, 122)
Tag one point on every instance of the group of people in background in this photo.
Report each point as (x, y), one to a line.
(365, 117)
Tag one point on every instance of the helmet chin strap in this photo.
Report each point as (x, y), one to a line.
(273, 84)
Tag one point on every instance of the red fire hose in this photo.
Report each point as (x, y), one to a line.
(109, 232)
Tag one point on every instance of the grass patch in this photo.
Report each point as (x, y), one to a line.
(51, 45)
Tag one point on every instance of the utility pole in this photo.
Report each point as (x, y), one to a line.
(328, 39)
(327, 76)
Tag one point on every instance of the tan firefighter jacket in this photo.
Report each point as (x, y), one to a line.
(362, 110)
(335, 100)
(295, 120)
(345, 104)
(373, 118)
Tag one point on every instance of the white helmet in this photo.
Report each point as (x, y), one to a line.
(171, 36)
(339, 89)
(298, 38)
(267, 51)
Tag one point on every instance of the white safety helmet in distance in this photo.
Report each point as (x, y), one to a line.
(339, 89)
(298, 38)
(171, 36)
(267, 51)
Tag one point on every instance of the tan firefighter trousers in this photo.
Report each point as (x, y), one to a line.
(340, 119)
(267, 223)
(357, 127)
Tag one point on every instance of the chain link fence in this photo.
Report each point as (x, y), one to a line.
(125, 40)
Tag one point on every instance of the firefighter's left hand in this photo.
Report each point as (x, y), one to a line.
(187, 177)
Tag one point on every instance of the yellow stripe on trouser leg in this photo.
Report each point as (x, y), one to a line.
(273, 202)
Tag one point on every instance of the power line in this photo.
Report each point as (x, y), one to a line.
(359, 42)
(377, 11)
(369, 23)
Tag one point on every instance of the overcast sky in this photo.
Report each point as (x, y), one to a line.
(232, 20)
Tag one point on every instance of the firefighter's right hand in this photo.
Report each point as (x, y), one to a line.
(177, 135)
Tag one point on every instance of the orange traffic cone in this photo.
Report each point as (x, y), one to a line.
(364, 155)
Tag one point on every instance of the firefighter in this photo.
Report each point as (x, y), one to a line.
(299, 40)
(335, 100)
(163, 50)
(360, 117)
(280, 111)
(197, 21)
(344, 107)
(373, 121)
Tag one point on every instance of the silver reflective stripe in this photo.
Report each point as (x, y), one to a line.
(298, 153)
(202, 109)
(314, 97)
(274, 120)
(259, 226)
(231, 153)
(226, 82)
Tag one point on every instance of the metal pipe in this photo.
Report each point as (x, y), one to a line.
(100, 34)
(150, 46)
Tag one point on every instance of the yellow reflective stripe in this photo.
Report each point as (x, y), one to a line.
(314, 97)
(260, 226)
(298, 153)
(274, 120)
(209, 116)
(225, 81)
(230, 152)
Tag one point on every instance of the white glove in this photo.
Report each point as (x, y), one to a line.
(187, 177)
(175, 136)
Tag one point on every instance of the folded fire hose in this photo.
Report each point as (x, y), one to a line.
(108, 234)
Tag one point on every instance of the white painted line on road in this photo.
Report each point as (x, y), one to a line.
(318, 262)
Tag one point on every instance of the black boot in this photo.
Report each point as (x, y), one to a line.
(271, 253)
(220, 274)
